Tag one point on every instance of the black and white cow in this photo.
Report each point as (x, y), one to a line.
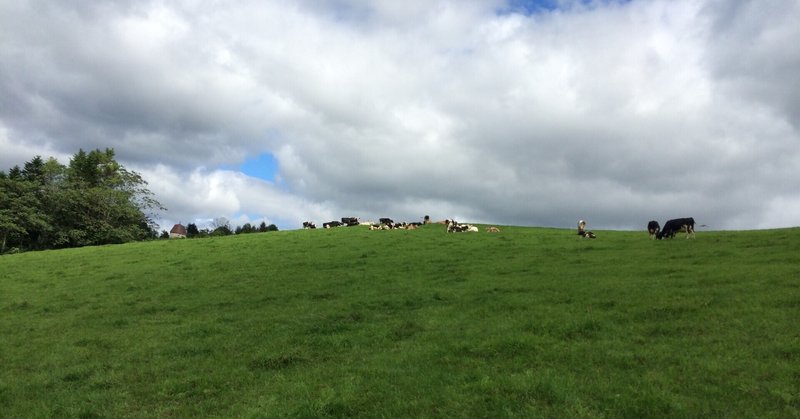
(455, 227)
(679, 224)
(350, 221)
(308, 224)
(332, 224)
(653, 228)
(582, 230)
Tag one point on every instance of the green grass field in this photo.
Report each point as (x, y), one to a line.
(528, 322)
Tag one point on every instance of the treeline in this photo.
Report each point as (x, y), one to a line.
(223, 230)
(91, 201)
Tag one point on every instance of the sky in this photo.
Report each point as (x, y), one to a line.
(531, 113)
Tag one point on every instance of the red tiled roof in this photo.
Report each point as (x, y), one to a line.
(178, 229)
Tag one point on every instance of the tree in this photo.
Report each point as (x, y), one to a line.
(220, 222)
(191, 230)
(20, 213)
(34, 171)
(15, 173)
(245, 229)
(222, 231)
(93, 200)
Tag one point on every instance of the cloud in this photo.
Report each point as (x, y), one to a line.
(614, 112)
(202, 195)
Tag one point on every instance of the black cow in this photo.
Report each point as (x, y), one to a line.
(653, 228)
(679, 224)
(332, 224)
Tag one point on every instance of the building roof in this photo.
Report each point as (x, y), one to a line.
(178, 229)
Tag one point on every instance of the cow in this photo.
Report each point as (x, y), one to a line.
(331, 224)
(653, 228)
(678, 224)
(492, 229)
(455, 227)
(308, 224)
(582, 230)
(350, 221)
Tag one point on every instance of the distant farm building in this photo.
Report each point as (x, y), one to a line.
(178, 232)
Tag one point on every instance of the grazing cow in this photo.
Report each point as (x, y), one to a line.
(308, 224)
(492, 229)
(653, 228)
(679, 224)
(582, 230)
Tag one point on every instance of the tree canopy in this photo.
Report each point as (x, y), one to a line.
(93, 200)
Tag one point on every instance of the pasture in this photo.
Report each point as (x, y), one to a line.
(347, 322)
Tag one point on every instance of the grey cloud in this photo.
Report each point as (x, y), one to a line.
(616, 113)
(755, 54)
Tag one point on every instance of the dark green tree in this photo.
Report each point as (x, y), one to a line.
(93, 200)
(222, 231)
(21, 215)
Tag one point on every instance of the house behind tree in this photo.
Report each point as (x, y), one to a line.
(178, 232)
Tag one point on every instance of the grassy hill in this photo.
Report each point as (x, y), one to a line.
(528, 322)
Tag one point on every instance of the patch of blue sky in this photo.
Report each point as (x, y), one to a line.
(529, 7)
(263, 166)
(532, 7)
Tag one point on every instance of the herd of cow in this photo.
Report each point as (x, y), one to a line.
(671, 227)
(382, 224)
(451, 226)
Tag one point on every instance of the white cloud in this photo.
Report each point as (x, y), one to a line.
(616, 112)
(202, 195)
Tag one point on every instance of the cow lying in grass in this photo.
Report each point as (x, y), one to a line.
(395, 226)
(350, 221)
(455, 227)
(582, 230)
